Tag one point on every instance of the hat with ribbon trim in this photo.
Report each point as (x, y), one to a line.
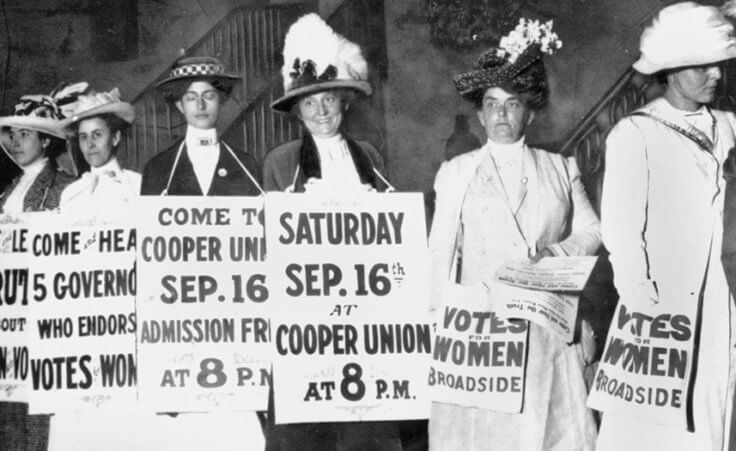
(198, 67)
(44, 113)
(95, 104)
(516, 61)
(317, 59)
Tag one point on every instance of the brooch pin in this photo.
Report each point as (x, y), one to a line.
(222, 172)
(524, 180)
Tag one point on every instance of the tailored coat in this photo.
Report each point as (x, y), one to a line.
(213, 430)
(45, 192)
(474, 218)
(229, 179)
(662, 221)
(291, 164)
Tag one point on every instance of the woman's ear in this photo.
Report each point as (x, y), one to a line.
(45, 142)
(179, 106)
(531, 118)
(116, 138)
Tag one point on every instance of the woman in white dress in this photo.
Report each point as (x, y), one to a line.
(662, 218)
(506, 201)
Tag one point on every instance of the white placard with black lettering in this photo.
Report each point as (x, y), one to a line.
(83, 282)
(479, 358)
(203, 331)
(14, 308)
(349, 283)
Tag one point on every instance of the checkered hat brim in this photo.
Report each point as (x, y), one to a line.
(199, 69)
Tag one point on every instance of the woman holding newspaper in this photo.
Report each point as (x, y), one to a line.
(509, 201)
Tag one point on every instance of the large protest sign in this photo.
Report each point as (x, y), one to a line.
(14, 308)
(348, 280)
(83, 283)
(203, 325)
(646, 365)
(478, 358)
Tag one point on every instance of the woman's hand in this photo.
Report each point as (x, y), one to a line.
(541, 254)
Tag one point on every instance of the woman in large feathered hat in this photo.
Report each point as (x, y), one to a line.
(322, 74)
(35, 138)
(509, 201)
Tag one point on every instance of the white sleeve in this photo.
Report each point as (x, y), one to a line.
(624, 211)
(585, 237)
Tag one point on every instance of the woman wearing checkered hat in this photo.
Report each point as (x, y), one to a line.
(200, 164)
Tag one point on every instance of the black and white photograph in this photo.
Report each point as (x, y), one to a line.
(367, 225)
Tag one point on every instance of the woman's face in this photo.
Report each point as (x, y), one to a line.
(691, 87)
(200, 105)
(504, 116)
(322, 113)
(26, 146)
(97, 141)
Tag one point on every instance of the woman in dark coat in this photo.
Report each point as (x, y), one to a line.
(35, 139)
(200, 164)
(318, 88)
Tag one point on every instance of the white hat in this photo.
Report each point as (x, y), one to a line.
(685, 34)
(95, 104)
(316, 59)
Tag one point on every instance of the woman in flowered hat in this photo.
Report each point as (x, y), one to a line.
(666, 380)
(509, 201)
(35, 140)
(322, 73)
(200, 164)
(97, 123)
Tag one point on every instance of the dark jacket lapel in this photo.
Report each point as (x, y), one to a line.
(310, 166)
(184, 182)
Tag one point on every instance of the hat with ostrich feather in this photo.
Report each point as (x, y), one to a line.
(317, 59)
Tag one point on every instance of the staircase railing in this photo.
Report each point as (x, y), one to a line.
(587, 140)
(248, 41)
(259, 129)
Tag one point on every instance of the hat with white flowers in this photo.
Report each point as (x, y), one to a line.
(516, 64)
(317, 59)
(686, 34)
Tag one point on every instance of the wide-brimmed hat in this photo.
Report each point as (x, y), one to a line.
(515, 54)
(685, 34)
(317, 59)
(44, 113)
(95, 104)
(198, 67)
